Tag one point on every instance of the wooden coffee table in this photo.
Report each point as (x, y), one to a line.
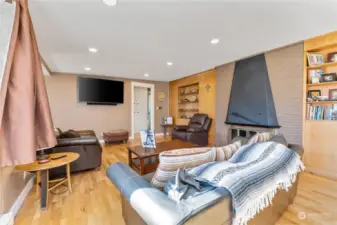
(147, 159)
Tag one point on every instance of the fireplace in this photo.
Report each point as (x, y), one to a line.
(251, 101)
(247, 131)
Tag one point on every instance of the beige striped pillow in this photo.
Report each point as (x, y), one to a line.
(226, 152)
(260, 137)
(171, 161)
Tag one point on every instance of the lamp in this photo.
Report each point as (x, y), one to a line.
(110, 2)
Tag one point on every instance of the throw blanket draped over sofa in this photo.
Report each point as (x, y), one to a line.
(252, 176)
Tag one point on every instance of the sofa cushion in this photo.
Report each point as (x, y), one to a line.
(226, 152)
(196, 129)
(70, 134)
(260, 137)
(171, 161)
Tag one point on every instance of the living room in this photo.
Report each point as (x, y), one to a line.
(128, 101)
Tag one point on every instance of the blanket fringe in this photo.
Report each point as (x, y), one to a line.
(258, 204)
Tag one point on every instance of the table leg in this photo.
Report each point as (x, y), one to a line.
(38, 181)
(68, 177)
(142, 169)
(130, 158)
(44, 188)
(165, 129)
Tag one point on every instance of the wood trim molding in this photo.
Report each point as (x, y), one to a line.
(45, 65)
(152, 102)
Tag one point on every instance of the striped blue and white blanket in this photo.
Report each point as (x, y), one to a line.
(252, 176)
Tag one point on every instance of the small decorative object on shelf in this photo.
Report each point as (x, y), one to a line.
(207, 86)
(321, 98)
(329, 77)
(332, 57)
(314, 93)
(333, 94)
(315, 59)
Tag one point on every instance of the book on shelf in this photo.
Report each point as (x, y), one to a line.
(317, 112)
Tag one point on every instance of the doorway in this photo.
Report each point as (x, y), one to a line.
(142, 107)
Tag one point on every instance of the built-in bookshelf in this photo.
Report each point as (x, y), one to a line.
(188, 100)
(320, 113)
(322, 106)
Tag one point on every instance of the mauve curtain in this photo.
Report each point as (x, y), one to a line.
(25, 117)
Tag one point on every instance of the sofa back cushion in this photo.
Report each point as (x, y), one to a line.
(197, 120)
(279, 138)
(260, 137)
(226, 152)
(171, 161)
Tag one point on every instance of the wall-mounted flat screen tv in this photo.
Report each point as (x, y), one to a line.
(99, 91)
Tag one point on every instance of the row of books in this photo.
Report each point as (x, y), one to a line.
(315, 112)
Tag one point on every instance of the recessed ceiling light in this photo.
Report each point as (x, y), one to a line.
(169, 63)
(87, 68)
(93, 50)
(215, 41)
(146, 75)
(110, 2)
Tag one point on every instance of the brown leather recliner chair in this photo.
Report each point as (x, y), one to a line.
(196, 131)
(87, 145)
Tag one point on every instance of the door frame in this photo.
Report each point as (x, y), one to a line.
(145, 85)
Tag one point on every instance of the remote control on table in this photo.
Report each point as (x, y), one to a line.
(58, 157)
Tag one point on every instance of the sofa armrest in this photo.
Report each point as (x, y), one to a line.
(180, 128)
(297, 148)
(152, 205)
(76, 141)
(86, 133)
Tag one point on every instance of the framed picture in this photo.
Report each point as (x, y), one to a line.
(148, 139)
(315, 59)
(333, 94)
(168, 120)
(315, 76)
(332, 57)
(329, 77)
(314, 93)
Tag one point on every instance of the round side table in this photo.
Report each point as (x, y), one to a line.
(42, 173)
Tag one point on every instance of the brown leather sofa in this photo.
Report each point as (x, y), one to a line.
(86, 144)
(196, 131)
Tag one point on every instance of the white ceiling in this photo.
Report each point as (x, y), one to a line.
(140, 36)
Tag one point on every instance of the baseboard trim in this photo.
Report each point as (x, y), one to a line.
(323, 173)
(101, 141)
(7, 219)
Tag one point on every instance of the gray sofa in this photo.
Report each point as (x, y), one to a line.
(220, 212)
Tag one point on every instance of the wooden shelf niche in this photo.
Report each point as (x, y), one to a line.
(188, 100)
(319, 134)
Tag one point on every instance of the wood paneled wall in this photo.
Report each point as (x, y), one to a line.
(206, 98)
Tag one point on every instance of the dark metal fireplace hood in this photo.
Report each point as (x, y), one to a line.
(251, 100)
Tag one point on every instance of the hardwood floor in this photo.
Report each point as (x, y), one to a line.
(95, 201)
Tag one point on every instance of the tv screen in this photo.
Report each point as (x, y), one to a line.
(100, 91)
